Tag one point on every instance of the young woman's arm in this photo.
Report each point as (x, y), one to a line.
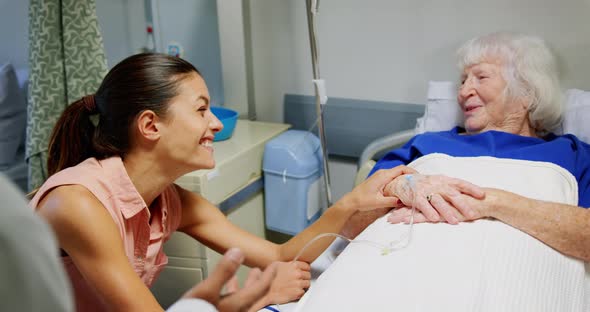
(207, 224)
(87, 232)
(204, 221)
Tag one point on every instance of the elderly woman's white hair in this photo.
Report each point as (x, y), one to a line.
(529, 69)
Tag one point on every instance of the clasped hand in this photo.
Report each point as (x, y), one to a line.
(435, 197)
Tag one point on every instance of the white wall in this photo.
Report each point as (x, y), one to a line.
(123, 26)
(388, 50)
(371, 49)
(233, 63)
(14, 42)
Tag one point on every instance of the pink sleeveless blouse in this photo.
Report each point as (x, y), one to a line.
(108, 180)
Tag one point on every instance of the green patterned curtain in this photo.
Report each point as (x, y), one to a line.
(67, 61)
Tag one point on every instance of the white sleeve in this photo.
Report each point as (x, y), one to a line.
(32, 277)
(191, 305)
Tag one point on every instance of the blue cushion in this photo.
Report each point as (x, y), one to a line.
(13, 118)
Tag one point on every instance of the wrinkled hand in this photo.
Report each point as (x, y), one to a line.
(481, 208)
(290, 283)
(370, 194)
(256, 286)
(436, 197)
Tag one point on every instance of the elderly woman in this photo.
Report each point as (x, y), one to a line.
(527, 244)
(511, 102)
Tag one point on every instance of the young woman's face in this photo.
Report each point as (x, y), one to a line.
(188, 134)
(484, 104)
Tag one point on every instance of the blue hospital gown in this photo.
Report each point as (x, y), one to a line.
(566, 151)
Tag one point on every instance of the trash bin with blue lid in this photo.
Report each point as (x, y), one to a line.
(294, 192)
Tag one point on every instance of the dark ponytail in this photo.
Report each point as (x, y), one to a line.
(140, 82)
(71, 140)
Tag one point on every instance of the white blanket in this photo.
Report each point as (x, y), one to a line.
(474, 266)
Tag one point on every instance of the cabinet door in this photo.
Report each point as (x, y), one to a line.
(180, 275)
(250, 217)
(181, 245)
(189, 265)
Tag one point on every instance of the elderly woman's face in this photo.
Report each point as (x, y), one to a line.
(481, 97)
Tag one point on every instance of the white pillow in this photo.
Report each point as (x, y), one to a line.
(577, 114)
(442, 111)
(483, 266)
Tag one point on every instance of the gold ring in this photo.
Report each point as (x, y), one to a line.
(429, 197)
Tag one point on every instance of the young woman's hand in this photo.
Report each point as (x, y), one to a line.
(290, 283)
(371, 194)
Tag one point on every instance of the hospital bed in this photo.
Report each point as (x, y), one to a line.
(342, 280)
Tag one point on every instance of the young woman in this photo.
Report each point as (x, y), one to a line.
(112, 201)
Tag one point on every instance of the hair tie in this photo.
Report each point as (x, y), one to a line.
(89, 103)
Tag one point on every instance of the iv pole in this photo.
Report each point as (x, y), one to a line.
(320, 90)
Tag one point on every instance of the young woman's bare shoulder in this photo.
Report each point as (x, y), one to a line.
(70, 203)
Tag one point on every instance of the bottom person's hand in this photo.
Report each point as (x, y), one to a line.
(480, 208)
(256, 286)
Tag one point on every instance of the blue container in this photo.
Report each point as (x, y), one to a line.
(228, 118)
(294, 194)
